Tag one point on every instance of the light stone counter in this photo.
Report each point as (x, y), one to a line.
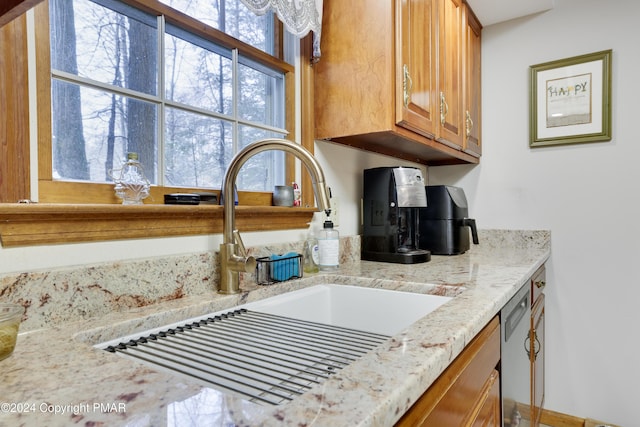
(57, 369)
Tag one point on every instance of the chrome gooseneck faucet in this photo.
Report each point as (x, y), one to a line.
(233, 255)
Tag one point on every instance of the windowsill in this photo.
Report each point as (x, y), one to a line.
(40, 223)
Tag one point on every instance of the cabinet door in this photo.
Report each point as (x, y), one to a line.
(488, 414)
(416, 107)
(354, 80)
(450, 36)
(467, 392)
(537, 360)
(472, 83)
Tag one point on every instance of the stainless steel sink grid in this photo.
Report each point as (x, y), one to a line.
(264, 358)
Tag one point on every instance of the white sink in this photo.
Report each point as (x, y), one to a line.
(269, 360)
(367, 309)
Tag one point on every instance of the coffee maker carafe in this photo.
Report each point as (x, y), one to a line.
(392, 198)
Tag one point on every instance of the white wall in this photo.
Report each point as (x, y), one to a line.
(343, 168)
(587, 194)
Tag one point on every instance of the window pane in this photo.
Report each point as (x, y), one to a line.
(261, 95)
(231, 17)
(92, 130)
(198, 77)
(197, 149)
(263, 171)
(98, 43)
(115, 104)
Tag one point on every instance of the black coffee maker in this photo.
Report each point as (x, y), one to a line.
(392, 199)
(444, 226)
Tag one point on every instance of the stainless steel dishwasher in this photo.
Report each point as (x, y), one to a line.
(515, 320)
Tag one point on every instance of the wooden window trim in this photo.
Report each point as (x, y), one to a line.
(37, 224)
(67, 215)
(14, 108)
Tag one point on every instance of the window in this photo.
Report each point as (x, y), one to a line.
(232, 18)
(75, 210)
(186, 99)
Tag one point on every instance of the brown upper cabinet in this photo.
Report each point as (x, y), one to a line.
(472, 84)
(401, 78)
(449, 68)
(416, 107)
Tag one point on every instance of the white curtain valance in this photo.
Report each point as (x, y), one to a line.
(298, 16)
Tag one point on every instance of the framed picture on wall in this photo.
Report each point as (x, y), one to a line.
(571, 100)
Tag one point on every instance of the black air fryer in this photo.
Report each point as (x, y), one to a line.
(444, 226)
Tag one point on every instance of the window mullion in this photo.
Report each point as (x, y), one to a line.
(162, 95)
(235, 99)
(94, 84)
(228, 117)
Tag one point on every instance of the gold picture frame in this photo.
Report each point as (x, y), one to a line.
(571, 100)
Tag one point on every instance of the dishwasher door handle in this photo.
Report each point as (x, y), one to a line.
(514, 317)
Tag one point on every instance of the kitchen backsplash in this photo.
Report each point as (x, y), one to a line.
(59, 296)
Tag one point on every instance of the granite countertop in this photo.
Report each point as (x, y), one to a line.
(56, 376)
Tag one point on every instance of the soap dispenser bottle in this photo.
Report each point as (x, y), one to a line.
(310, 253)
(328, 247)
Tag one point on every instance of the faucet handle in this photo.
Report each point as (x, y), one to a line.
(249, 263)
(238, 241)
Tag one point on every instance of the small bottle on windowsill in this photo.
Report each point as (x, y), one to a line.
(131, 184)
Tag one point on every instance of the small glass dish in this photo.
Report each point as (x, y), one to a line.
(10, 317)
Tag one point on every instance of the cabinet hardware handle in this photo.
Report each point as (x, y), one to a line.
(469, 124)
(540, 284)
(407, 85)
(536, 345)
(444, 108)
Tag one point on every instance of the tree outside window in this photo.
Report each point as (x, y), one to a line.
(127, 81)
